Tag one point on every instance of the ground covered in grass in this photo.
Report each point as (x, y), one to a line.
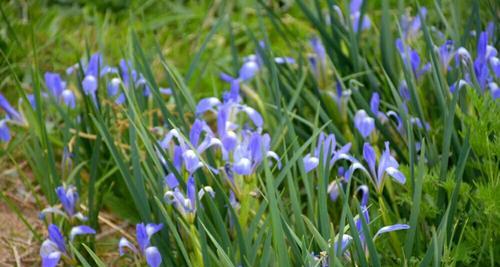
(249, 133)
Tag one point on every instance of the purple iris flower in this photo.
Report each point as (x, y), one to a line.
(54, 83)
(143, 236)
(364, 123)
(374, 107)
(364, 209)
(355, 11)
(226, 114)
(187, 153)
(495, 92)
(411, 26)
(68, 198)
(328, 146)
(446, 53)
(387, 164)
(57, 89)
(186, 203)
(252, 64)
(55, 246)
(318, 61)
(251, 151)
(411, 59)
(485, 53)
(364, 213)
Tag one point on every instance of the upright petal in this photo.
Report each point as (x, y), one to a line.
(56, 236)
(94, 64)
(191, 191)
(375, 103)
(355, 6)
(142, 236)
(54, 83)
(370, 157)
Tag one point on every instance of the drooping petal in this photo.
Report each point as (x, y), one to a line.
(391, 228)
(48, 247)
(229, 140)
(396, 174)
(124, 243)
(494, 90)
(114, 86)
(364, 123)
(248, 70)
(81, 230)
(364, 195)
(207, 189)
(273, 155)
(334, 190)
(346, 240)
(153, 257)
(191, 161)
(355, 166)
(89, 85)
(52, 259)
(51, 210)
(207, 104)
(254, 115)
(243, 166)
(68, 98)
(310, 163)
(11, 111)
(152, 228)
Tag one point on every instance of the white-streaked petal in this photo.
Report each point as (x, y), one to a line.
(391, 228)
(81, 230)
(124, 243)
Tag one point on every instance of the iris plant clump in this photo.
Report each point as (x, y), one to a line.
(270, 169)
